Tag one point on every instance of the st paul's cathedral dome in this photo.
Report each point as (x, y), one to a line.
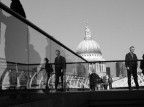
(90, 50)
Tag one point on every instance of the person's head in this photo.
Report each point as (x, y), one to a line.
(46, 60)
(132, 48)
(57, 52)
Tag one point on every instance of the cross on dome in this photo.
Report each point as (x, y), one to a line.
(87, 33)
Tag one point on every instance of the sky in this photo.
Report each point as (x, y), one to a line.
(115, 24)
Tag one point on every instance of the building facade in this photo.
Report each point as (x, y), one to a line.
(90, 50)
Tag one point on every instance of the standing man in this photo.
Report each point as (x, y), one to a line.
(60, 68)
(131, 65)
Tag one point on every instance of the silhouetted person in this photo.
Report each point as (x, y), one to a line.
(60, 67)
(17, 7)
(49, 70)
(131, 65)
(94, 80)
(105, 81)
(142, 64)
(110, 80)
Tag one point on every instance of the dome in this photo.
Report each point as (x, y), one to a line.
(88, 45)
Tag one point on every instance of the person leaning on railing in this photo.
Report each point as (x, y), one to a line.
(48, 68)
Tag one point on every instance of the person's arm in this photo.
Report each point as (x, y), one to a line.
(64, 61)
(55, 64)
(126, 62)
(63, 65)
(136, 61)
(42, 67)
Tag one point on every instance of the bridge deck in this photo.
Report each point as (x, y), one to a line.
(72, 98)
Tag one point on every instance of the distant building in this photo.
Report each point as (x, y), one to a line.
(120, 69)
(108, 72)
(90, 50)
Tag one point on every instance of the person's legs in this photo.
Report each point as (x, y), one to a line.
(110, 85)
(105, 86)
(135, 78)
(95, 86)
(62, 80)
(56, 80)
(48, 76)
(92, 86)
(129, 78)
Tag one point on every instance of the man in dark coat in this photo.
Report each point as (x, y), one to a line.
(131, 65)
(60, 67)
(17, 7)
